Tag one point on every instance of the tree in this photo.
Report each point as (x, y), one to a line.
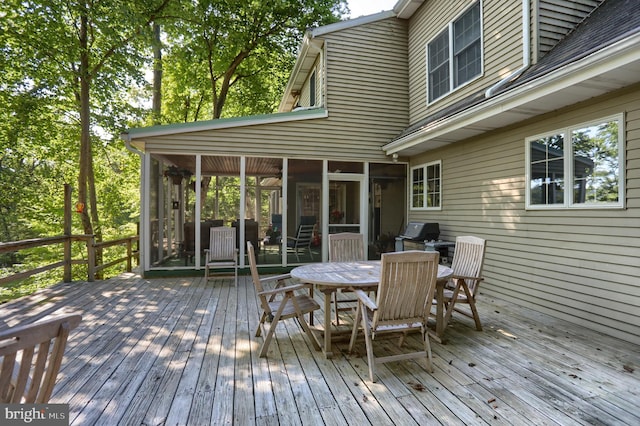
(236, 48)
(78, 55)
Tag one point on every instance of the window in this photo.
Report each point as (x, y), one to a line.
(454, 56)
(425, 186)
(577, 167)
(312, 89)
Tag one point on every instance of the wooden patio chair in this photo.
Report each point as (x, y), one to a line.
(31, 359)
(345, 247)
(280, 303)
(463, 285)
(403, 302)
(302, 241)
(222, 251)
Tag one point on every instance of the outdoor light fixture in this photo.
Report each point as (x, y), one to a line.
(395, 157)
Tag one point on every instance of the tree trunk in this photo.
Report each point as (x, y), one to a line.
(86, 179)
(157, 75)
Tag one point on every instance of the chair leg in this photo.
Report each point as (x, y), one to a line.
(354, 331)
(272, 329)
(427, 348)
(369, 345)
(236, 274)
(335, 304)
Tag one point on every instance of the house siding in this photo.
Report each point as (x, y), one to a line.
(367, 79)
(579, 265)
(502, 46)
(556, 18)
(367, 86)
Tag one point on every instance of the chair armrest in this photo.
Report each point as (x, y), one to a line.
(462, 277)
(364, 298)
(275, 278)
(283, 289)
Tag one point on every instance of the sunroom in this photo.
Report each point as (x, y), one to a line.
(187, 190)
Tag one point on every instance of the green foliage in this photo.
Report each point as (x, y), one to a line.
(233, 58)
(235, 54)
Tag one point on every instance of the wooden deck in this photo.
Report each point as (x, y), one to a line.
(179, 351)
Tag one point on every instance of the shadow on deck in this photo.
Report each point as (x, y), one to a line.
(182, 351)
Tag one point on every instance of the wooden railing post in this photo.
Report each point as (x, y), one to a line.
(66, 276)
(129, 255)
(91, 258)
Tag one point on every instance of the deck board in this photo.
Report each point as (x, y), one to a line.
(183, 351)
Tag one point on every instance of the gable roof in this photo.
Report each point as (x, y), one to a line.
(311, 47)
(599, 56)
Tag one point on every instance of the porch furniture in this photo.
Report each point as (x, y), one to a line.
(274, 235)
(468, 260)
(288, 305)
(302, 241)
(331, 276)
(189, 243)
(345, 247)
(31, 358)
(222, 251)
(250, 233)
(403, 303)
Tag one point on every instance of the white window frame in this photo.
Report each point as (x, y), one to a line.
(425, 187)
(451, 60)
(568, 167)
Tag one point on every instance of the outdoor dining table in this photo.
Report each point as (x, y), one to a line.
(329, 277)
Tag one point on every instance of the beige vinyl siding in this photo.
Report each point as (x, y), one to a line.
(502, 48)
(367, 82)
(367, 106)
(556, 18)
(580, 265)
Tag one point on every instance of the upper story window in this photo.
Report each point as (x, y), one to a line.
(577, 167)
(426, 190)
(454, 56)
(312, 89)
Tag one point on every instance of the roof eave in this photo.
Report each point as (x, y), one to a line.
(224, 123)
(609, 58)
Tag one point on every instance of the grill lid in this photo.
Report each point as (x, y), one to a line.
(419, 231)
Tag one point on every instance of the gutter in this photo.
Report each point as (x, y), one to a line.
(127, 143)
(619, 54)
(526, 51)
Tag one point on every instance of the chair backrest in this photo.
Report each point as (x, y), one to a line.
(304, 236)
(255, 277)
(346, 247)
(406, 289)
(222, 243)
(468, 258)
(31, 358)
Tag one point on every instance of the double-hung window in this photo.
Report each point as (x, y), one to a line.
(454, 56)
(426, 188)
(580, 166)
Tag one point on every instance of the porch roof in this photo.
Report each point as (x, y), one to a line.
(136, 136)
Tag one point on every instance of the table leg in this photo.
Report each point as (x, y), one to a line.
(327, 323)
(440, 325)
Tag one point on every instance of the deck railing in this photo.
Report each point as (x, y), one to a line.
(67, 261)
(66, 240)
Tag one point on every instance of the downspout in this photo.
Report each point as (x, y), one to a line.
(526, 50)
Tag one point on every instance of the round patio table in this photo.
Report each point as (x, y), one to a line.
(328, 277)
